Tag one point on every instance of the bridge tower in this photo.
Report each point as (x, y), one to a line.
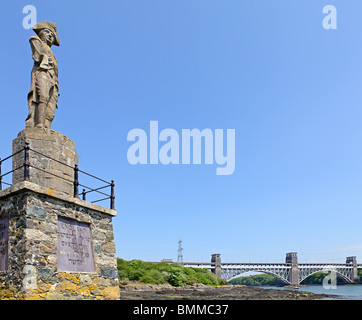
(292, 259)
(353, 260)
(216, 261)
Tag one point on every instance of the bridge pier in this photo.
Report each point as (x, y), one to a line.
(216, 262)
(292, 259)
(353, 260)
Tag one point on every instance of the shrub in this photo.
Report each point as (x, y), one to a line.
(146, 278)
(165, 276)
(175, 278)
(163, 272)
(156, 276)
(122, 274)
(136, 274)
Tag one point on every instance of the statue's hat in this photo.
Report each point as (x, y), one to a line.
(47, 25)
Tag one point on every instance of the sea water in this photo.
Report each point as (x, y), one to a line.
(348, 292)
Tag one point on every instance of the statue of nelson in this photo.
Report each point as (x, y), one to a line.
(43, 94)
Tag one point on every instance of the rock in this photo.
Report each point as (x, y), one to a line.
(112, 293)
(29, 282)
(85, 279)
(219, 293)
(45, 274)
(36, 211)
(109, 272)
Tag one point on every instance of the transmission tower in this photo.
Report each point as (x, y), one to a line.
(180, 257)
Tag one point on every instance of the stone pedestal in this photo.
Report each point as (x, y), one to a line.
(57, 246)
(53, 245)
(54, 145)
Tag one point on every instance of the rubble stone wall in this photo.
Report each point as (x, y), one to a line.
(33, 240)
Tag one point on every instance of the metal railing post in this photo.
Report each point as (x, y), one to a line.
(112, 195)
(1, 182)
(84, 194)
(26, 162)
(76, 181)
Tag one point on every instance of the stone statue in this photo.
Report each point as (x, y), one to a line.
(43, 94)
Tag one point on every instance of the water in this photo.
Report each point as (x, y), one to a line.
(348, 292)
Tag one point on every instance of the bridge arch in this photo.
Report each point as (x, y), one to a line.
(326, 269)
(231, 274)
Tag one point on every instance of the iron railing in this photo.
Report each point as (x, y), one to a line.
(26, 166)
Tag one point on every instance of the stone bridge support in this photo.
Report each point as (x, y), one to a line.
(216, 261)
(353, 261)
(292, 259)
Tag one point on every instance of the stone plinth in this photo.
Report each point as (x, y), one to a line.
(54, 145)
(58, 246)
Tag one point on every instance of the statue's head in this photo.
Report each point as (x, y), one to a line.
(47, 36)
(47, 31)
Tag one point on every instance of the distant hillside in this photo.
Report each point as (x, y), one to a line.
(257, 280)
(164, 273)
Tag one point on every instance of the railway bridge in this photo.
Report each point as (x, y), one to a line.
(290, 272)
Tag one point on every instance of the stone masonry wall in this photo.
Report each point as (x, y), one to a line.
(33, 238)
(54, 145)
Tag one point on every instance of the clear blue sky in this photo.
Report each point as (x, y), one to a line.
(268, 69)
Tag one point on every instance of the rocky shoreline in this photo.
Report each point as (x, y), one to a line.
(201, 292)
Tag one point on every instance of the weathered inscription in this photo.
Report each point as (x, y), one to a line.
(74, 246)
(4, 240)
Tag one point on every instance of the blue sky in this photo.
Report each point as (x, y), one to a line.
(268, 69)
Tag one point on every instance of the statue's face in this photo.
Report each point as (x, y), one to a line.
(47, 36)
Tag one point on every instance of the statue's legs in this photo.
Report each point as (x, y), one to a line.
(43, 86)
(50, 111)
(29, 121)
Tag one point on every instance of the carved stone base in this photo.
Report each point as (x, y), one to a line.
(57, 247)
(54, 145)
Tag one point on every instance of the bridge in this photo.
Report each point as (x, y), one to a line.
(291, 272)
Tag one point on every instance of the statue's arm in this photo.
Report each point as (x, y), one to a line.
(36, 49)
(41, 59)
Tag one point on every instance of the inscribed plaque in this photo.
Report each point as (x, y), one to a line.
(4, 243)
(74, 246)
